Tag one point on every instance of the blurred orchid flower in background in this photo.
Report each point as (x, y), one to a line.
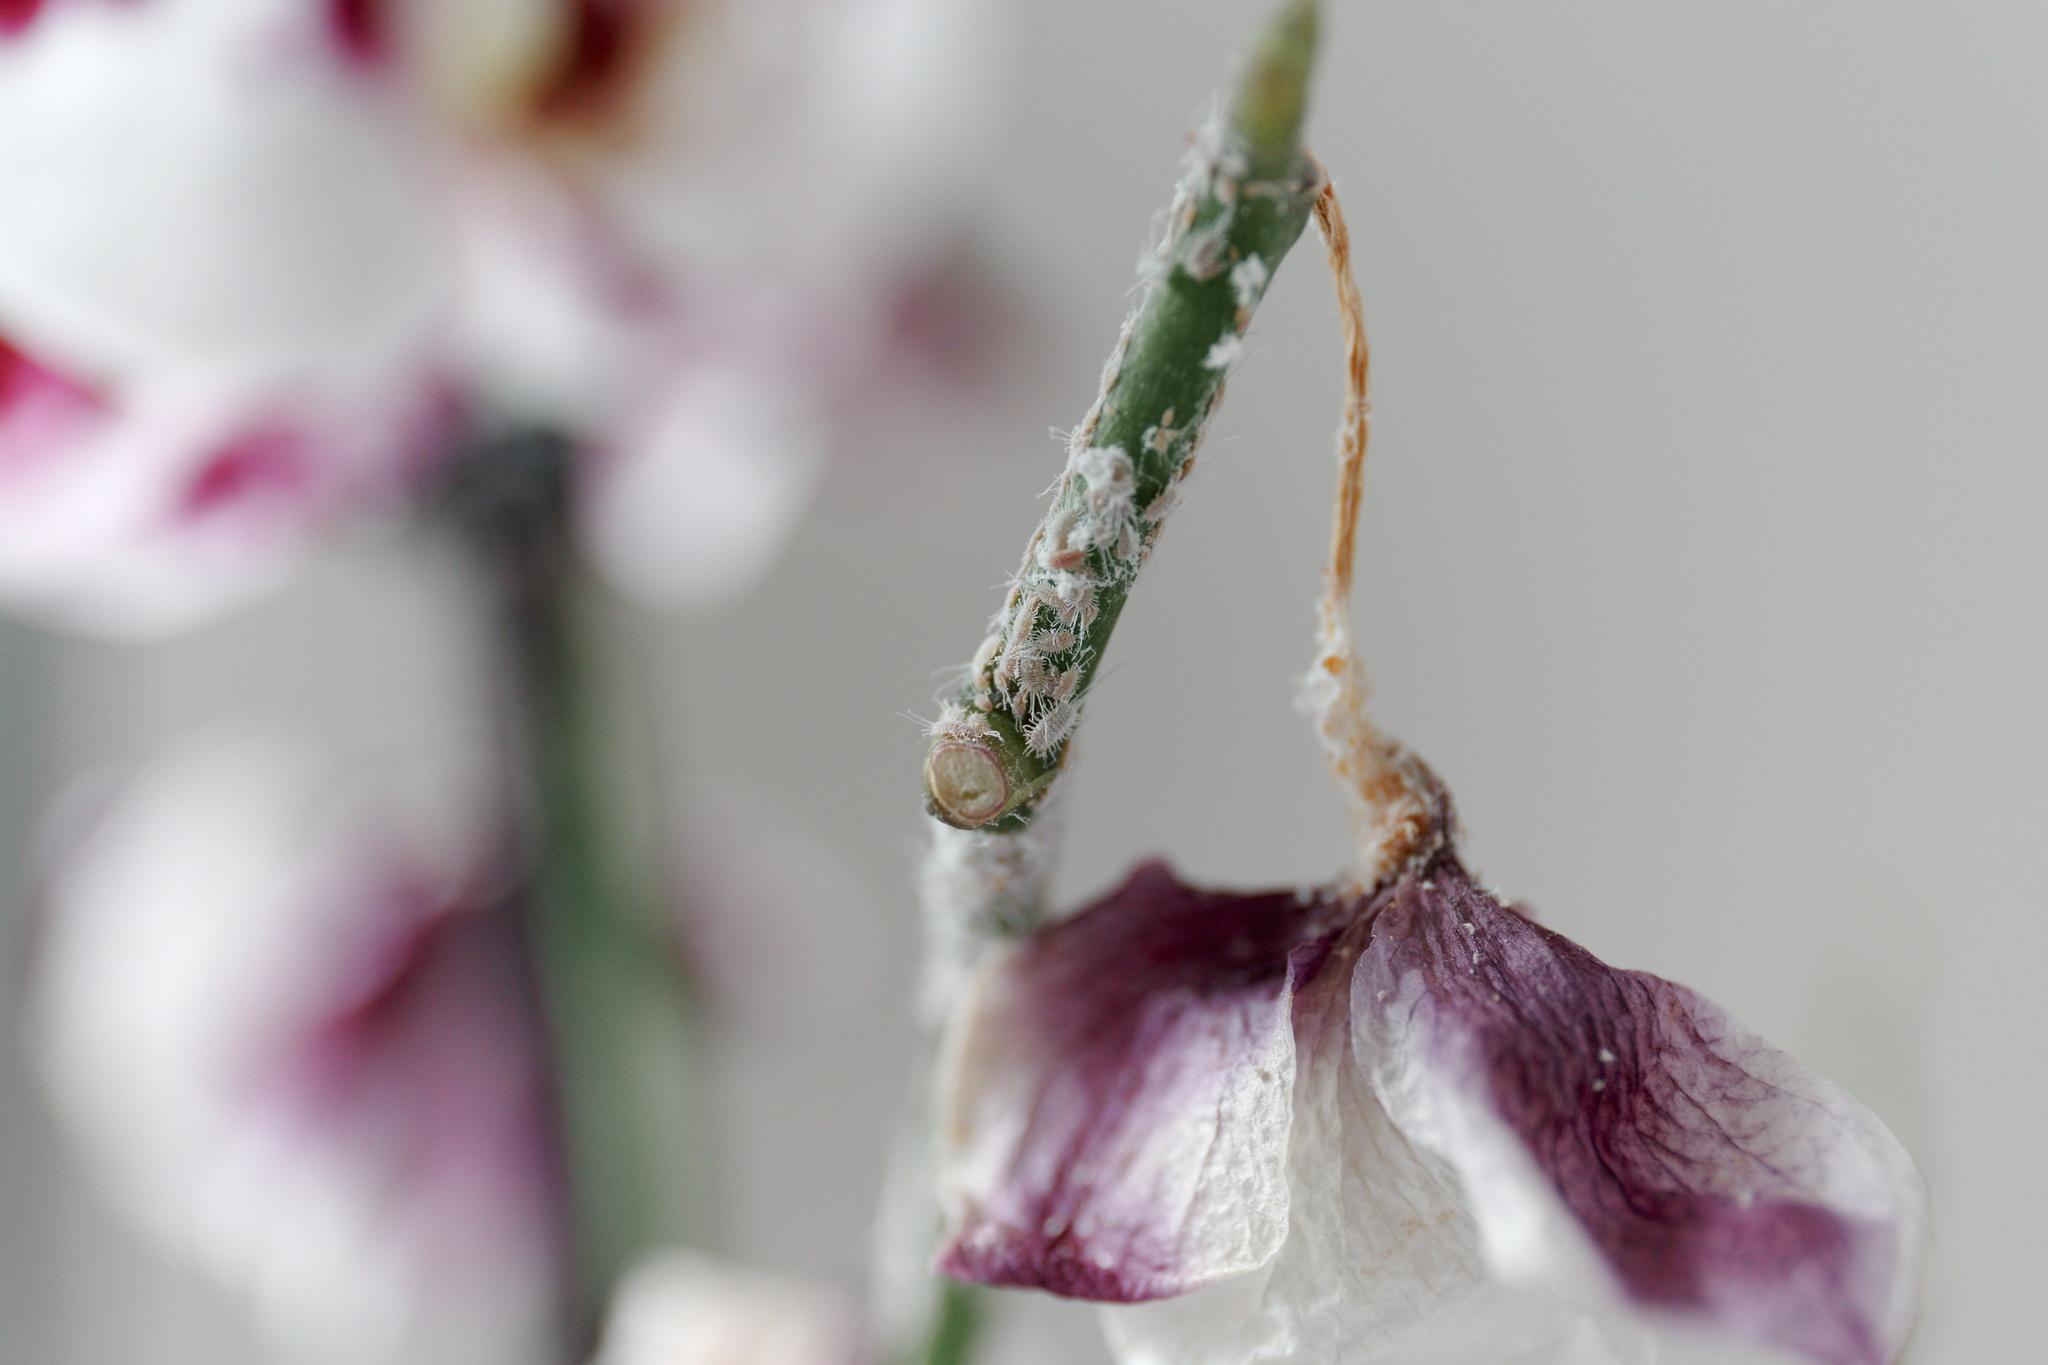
(1413, 1126)
(299, 1042)
(289, 1020)
(682, 1308)
(137, 509)
(258, 258)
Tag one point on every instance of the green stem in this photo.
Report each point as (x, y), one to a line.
(1248, 192)
(956, 1327)
(615, 1005)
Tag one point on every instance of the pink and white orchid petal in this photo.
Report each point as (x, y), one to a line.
(555, 320)
(687, 1309)
(701, 492)
(138, 510)
(299, 1055)
(1116, 1096)
(481, 65)
(814, 140)
(1615, 1132)
(41, 409)
(697, 265)
(17, 15)
(208, 184)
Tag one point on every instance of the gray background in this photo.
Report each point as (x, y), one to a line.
(1701, 554)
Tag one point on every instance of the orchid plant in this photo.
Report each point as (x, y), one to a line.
(1388, 1117)
(589, 290)
(268, 263)
(479, 263)
(291, 1022)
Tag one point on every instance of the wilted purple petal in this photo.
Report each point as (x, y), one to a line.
(1118, 1095)
(1381, 1264)
(1492, 1149)
(1589, 1109)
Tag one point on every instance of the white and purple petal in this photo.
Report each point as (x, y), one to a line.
(541, 200)
(16, 16)
(682, 1308)
(1487, 1147)
(1380, 1264)
(1616, 1134)
(700, 487)
(807, 141)
(302, 1053)
(1117, 1095)
(132, 510)
(209, 184)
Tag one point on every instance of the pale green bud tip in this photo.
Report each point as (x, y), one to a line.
(1272, 97)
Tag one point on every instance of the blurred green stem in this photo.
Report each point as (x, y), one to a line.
(616, 1005)
(956, 1326)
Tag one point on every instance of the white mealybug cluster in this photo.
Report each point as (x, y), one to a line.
(1228, 350)
(1159, 438)
(1057, 640)
(1248, 281)
(1038, 666)
(986, 655)
(1104, 514)
(1204, 255)
(1099, 532)
(1107, 471)
(1049, 728)
(1063, 548)
(958, 723)
(1161, 507)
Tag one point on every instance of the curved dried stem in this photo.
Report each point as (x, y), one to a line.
(1392, 805)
